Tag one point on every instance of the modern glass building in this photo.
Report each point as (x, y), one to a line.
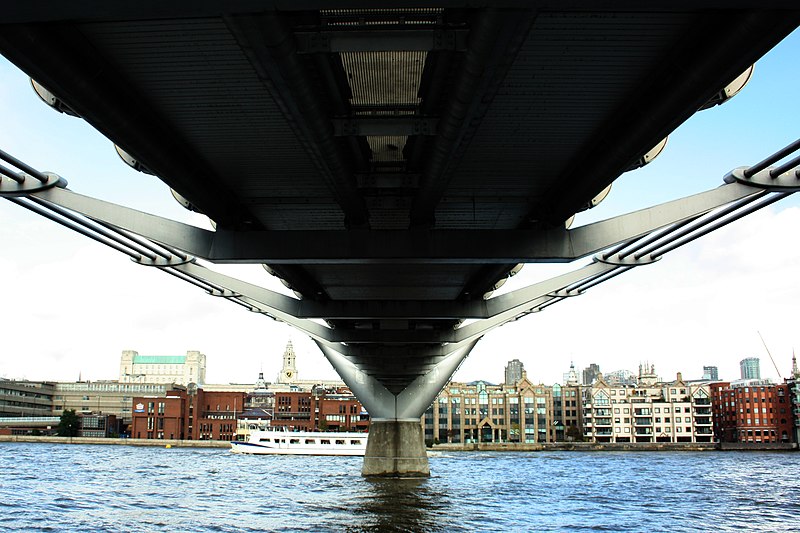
(750, 368)
(710, 373)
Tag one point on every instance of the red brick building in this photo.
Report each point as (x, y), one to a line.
(192, 415)
(752, 412)
(319, 410)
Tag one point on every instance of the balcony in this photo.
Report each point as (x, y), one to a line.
(602, 421)
(702, 421)
(644, 431)
(603, 432)
(702, 411)
(643, 421)
(703, 431)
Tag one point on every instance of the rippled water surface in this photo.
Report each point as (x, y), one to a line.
(50, 487)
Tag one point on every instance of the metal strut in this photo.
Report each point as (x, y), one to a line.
(770, 183)
(773, 183)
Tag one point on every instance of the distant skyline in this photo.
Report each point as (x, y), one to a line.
(71, 306)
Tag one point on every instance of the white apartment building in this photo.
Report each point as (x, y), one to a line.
(178, 369)
(651, 411)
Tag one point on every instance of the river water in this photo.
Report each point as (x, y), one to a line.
(51, 487)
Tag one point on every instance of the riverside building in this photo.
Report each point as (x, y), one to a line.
(518, 413)
(650, 411)
(753, 410)
(102, 397)
(25, 398)
(187, 413)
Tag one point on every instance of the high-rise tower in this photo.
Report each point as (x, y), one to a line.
(514, 372)
(750, 368)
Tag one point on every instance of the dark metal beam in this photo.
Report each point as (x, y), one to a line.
(307, 247)
(95, 10)
(269, 42)
(494, 39)
(400, 125)
(387, 180)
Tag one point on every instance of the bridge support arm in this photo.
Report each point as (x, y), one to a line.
(435, 246)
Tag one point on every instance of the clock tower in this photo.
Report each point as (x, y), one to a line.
(289, 371)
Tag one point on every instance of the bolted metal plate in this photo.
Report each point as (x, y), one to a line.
(161, 262)
(224, 293)
(9, 187)
(627, 261)
(789, 181)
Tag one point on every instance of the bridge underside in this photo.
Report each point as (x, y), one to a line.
(393, 166)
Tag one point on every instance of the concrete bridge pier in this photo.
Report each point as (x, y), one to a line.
(396, 445)
(396, 448)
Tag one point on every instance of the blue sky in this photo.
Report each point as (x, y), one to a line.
(72, 306)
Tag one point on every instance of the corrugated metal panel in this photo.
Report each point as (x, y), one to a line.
(384, 79)
(198, 79)
(424, 16)
(387, 148)
(541, 115)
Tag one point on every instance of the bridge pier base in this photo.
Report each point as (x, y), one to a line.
(396, 444)
(396, 448)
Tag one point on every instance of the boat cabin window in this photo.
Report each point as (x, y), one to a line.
(355, 442)
(339, 442)
(325, 441)
(294, 441)
(310, 441)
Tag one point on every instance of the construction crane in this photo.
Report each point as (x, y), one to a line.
(770, 355)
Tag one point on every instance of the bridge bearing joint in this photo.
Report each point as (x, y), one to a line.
(629, 261)
(29, 184)
(162, 262)
(788, 181)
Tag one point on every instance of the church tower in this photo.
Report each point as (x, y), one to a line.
(289, 371)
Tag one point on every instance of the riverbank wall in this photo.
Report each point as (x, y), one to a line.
(483, 446)
(173, 443)
(614, 446)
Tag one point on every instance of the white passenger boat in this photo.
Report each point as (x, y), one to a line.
(302, 443)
